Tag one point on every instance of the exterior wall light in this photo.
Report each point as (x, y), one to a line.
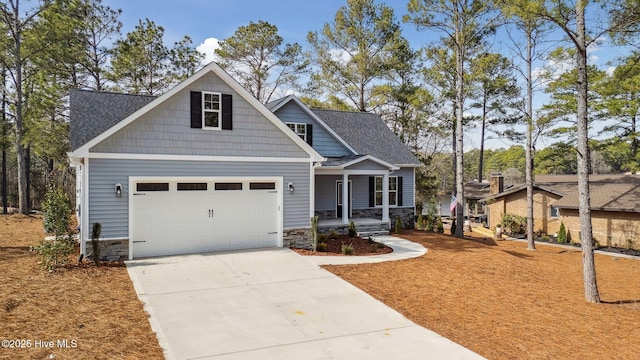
(290, 186)
(118, 190)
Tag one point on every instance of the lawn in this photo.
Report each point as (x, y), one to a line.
(505, 302)
(95, 309)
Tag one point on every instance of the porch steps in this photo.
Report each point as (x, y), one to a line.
(366, 230)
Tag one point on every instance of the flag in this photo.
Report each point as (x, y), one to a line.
(454, 203)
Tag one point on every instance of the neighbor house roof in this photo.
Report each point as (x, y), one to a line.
(607, 192)
(476, 190)
(368, 135)
(94, 112)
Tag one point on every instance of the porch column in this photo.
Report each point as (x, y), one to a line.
(345, 198)
(385, 197)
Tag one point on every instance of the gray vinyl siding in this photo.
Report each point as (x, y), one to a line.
(113, 212)
(166, 130)
(367, 165)
(323, 142)
(325, 198)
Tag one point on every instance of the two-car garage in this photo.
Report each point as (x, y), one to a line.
(170, 216)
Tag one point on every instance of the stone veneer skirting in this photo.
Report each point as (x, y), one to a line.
(110, 250)
(297, 238)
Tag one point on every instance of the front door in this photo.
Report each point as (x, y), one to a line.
(340, 203)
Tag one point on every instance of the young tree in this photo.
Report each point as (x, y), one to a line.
(355, 51)
(464, 24)
(256, 56)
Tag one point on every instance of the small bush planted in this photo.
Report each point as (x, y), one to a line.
(333, 235)
(398, 227)
(56, 212)
(95, 242)
(439, 225)
(321, 247)
(562, 234)
(53, 254)
(352, 230)
(420, 222)
(322, 238)
(347, 249)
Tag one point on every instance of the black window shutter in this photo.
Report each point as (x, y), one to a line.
(196, 110)
(399, 187)
(310, 134)
(227, 112)
(372, 191)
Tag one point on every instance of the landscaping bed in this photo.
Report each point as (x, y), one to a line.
(361, 247)
(95, 309)
(505, 302)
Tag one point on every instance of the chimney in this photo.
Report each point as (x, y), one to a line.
(496, 183)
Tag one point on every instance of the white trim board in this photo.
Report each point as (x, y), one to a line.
(129, 156)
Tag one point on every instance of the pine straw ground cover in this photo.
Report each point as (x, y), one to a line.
(95, 307)
(504, 302)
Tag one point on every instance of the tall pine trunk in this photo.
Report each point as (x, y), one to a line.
(531, 245)
(460, 48)
(586, 236)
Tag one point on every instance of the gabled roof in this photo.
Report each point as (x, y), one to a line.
(83, 150)
(368, 135)
(279, 103)
(346, 161)
(94, 112)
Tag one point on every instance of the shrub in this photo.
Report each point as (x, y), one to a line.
(352, 229)
(53, 254)
(333, 235)
(420, 222)
(347, 249)
(398, 227)
(453, 227)
(439, 225)
(322, 238)
(562, 234)
(322, 247)
(545, 238)
(374, 248)
(95, 242)
(370, 240)
(429, 222)
(56, 211)
(314, 232)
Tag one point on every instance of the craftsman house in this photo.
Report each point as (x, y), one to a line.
(207, 167)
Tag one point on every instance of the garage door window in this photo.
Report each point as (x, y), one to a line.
(192, 186)
(228, 186)
(152, 187)
(262, 186)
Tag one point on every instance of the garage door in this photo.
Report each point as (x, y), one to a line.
(190, 216)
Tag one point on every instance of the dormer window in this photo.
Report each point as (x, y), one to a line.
(299, 129)
(305, 131)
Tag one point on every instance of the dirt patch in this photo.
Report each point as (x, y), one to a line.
(94, 309)
(361, 247)
(505, 302)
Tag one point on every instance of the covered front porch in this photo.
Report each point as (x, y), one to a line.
(367, 197)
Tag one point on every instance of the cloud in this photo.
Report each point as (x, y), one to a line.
(610, 70)
(208, 48)
(340, 55)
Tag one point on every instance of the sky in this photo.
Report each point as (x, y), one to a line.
(207, 21)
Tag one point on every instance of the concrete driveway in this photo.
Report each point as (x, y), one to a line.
(273, 304)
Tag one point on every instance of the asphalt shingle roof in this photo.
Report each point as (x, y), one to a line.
(93, 112)
(368, 135)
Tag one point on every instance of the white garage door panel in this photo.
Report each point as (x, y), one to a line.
(182, 222)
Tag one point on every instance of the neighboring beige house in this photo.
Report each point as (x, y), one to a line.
(615, 206)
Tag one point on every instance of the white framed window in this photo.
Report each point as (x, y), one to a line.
(299, 129)
(211, 111)
(393, 191)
